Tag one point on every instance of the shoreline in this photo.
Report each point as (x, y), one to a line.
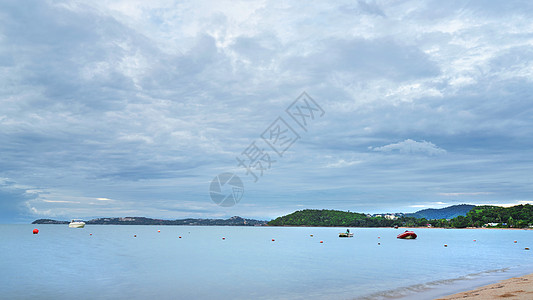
(400, 227)
(278, 226)
(489, 228)
(514, 288)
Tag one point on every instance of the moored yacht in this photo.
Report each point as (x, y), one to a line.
(76, 224)
(407, 235)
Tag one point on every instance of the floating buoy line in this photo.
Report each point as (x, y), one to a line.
(36, 231)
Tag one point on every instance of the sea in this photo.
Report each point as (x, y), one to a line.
(210, 262)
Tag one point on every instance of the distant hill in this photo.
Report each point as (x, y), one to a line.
(326, 217)
(449, 212)
(233, 221)
(48, 221)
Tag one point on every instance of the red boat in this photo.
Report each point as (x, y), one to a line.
(407, 235)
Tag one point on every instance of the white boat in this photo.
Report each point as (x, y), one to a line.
(76, 224)
(345, 234)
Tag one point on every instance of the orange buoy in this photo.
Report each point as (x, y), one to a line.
(159, 231)
(321, 242)
(134, 235)
(311, 235)
(515, 242)
(35, 231)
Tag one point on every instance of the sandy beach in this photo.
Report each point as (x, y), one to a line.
(513, 288)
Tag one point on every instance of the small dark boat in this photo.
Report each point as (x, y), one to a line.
(408, 235)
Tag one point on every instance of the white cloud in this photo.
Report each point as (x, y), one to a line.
(429, 205)
(508, 204)
(465, 194)
(341, 163)
(411, 147)
(60, 201)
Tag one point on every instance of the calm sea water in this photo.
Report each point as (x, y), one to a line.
(68, 263)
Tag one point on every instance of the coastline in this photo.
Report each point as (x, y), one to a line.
(400, 227)
(480, 228)
(513, 288)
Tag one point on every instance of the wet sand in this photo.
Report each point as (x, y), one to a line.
(514, 288)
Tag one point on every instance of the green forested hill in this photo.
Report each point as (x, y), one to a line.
(515, 216)
(520, 216)
(336, 218)
(315, 217)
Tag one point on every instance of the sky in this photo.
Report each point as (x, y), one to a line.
(133, 108)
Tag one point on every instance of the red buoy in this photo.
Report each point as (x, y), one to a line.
(223, 238)
(272, 239)
(180, 236)
(321, 242)
(134, 235)
(35, 231)
(515, 242)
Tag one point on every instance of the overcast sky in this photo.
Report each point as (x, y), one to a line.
(131, 108)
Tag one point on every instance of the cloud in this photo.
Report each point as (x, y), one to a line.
(368, 59)
(59, 201)
(465, 194)
(508, 204)
(145, 102)
(411, 147)
(12, 201)
(341, 163)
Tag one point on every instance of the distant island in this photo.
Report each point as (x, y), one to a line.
(519, 216)
(449, 212)
(233, 221)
